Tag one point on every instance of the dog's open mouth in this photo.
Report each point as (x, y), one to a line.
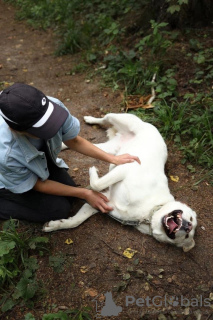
(172, 223)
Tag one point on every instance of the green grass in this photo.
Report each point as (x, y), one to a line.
(18, 265)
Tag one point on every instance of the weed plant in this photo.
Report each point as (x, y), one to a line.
(18, 265)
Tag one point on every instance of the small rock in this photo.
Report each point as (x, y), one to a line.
(162, 317)
(139, 273)
(149, 277)
(186, 311)
(146, 286)
(198, 314)
(63, 308)
(130, 269)
(126, 276)
(161, 270)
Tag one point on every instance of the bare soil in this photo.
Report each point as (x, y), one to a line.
(94, 262)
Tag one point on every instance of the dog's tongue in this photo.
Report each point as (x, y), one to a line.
(172, 225)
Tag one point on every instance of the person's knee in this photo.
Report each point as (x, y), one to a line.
(60, 211)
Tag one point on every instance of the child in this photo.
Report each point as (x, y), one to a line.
(34, 183)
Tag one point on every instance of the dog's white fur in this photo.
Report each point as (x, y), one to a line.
(137, 192)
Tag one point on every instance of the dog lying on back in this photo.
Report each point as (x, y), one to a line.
(139, 194)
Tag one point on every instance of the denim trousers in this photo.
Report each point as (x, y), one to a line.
(36, 206)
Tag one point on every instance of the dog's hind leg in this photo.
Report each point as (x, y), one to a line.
(83, 214)
(122, 123)
(115, 175)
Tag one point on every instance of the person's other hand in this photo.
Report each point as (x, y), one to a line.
(98, 201)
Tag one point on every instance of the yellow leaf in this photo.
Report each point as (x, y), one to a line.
(25, 70)
(84, 269)
(75, 169)
(69, 241)
(129, 253)
(174, 178)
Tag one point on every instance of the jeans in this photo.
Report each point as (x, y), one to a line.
(36, 206)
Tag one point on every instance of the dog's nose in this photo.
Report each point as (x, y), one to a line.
(188, 227)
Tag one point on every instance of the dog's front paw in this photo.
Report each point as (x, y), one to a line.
(94, 178)
(89, 119)
(52, 225)
(93, 171)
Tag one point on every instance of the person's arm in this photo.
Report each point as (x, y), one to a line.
(95, 199)
(85, 147)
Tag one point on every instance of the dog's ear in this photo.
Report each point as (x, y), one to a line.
(189, 245)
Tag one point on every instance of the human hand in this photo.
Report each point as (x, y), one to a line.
(98, 201)
(125, 158)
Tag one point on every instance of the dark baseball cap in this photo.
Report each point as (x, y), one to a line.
(26, 108)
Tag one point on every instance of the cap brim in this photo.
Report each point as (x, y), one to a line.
(52, 125)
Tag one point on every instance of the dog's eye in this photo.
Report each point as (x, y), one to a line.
(191, 219)
(186, 236)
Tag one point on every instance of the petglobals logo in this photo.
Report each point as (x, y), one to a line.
(165, 301)
(109, 307)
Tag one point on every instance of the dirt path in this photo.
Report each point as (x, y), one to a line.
(97, 265)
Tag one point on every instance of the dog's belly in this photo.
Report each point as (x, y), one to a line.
(134, 197)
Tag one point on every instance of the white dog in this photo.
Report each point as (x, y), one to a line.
(138, 193)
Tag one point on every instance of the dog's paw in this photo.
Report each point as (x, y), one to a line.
(93, 172)
(53, 225)
(94, 178)
(89, 119)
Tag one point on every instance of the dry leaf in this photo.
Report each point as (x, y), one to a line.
(75, 169)
(84, 269)
(91, 292)
(136, 101)
(148, 106)
(68, 241)
(174, 178)
(129, 253)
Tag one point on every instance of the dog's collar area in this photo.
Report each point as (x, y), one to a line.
(133, 223)
(136, 223)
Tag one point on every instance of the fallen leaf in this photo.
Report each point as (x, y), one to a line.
(136, 101)
(148, 106)
(126, 276)
(25, 70)
(69, 241)
(174, 178)
(129, 253)
(84, 269)
(91, 292)
(146, 286)
(75, 169)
